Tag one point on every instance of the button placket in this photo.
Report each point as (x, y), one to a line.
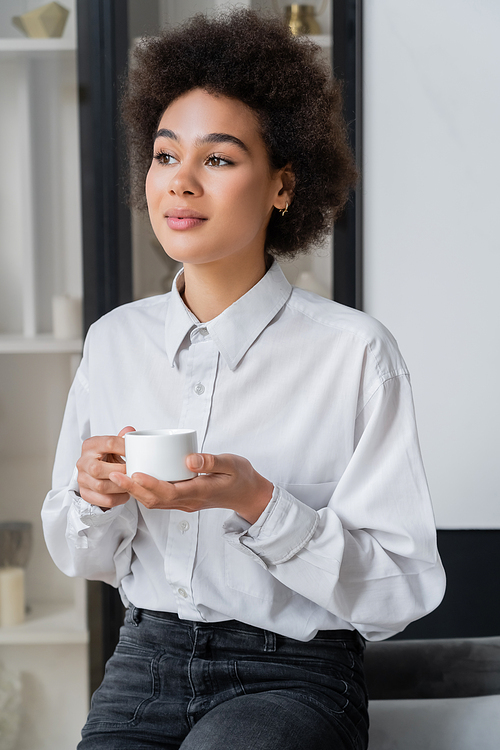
(199, 386)
(179, 559)
(200, 374)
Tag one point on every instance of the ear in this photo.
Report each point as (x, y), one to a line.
(285, 194)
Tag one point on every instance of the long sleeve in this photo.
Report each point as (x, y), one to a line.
(370, 556)
(317, 397)
(82, 539)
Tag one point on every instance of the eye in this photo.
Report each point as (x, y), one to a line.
(164, 158)
(218, 161)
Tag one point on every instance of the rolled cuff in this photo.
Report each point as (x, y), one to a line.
(91, 515)
(285, 527)
(82, 517)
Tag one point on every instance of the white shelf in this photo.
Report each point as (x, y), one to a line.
(47, 624)
(35, 46)
(42, 344)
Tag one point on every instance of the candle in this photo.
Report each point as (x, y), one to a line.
(11, 596)
(66, 317)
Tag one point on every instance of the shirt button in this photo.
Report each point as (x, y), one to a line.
(199, 389)
(183, 593)
(203, 331)
(183, 526)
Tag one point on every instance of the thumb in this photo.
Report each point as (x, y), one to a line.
(208, 463)
(196, 461)
(125, 430)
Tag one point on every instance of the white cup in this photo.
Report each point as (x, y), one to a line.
(160, 453)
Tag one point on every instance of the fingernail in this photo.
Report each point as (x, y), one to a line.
(196, 461)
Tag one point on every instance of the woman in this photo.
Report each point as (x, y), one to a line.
(251, 588)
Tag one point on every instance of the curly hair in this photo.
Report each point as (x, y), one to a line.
(283, 79)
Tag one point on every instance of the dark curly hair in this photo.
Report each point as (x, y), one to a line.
(284, 80)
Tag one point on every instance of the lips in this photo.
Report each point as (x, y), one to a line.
(183, 213)
(183, 218)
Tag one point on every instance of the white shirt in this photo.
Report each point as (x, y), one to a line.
(317, 396)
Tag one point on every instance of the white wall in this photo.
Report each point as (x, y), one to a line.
(431, 231)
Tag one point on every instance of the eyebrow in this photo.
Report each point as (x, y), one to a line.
(203, 140)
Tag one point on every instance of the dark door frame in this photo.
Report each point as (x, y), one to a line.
(347, 233)
(102, 61)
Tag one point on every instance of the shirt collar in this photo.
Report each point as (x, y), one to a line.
(235, 329)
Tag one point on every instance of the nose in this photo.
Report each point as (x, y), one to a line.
(184, 181)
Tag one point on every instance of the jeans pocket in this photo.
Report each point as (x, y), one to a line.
(130, 684)
(303, 681)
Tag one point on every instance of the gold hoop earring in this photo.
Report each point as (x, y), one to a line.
(283, 211)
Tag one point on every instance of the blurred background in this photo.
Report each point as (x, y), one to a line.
(418, 248)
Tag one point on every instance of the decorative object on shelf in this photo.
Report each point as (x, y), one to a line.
(10, 708)
(47, 21)
(15, 549)
(309, 283)
(12, 597)
(302, 19)
(15, 543)
(66, 317)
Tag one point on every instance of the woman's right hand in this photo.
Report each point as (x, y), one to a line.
(100, 456)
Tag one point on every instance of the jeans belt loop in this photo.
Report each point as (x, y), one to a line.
(136, 616)
(269, 640)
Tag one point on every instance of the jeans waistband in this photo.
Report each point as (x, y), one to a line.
(136, 613)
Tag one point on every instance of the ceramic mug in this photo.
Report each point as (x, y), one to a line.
(160, 453)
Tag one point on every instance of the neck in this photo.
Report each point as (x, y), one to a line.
(210, 288)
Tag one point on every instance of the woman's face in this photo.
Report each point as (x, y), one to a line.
(210, 189)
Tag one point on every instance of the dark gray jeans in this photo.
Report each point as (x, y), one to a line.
(227, 686)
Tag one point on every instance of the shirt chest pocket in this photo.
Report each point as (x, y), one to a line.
(316, 496)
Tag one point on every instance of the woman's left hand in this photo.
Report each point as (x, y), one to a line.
(227, 481)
